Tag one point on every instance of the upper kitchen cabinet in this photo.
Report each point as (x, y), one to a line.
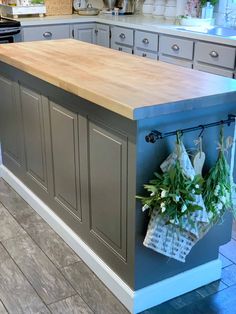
(46, 32)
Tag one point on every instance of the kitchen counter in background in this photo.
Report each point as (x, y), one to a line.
(74, 117)
(138, 22)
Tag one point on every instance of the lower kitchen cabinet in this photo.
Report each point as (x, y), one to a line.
(102, 37)
(85, 32)
(35, 122)
(47, 32)
(65, 152)
(93, 33)
(77, 164)
(11, 132)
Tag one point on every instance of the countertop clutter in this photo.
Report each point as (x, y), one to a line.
(115, 81)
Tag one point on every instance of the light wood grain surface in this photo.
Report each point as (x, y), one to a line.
(115, 80)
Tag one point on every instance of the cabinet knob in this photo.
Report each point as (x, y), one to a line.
(145, 41)
(120, 48)
(47, 35)
(96, 31)
(214, 54)
(122, 36)
(144, 54)
(175, 47)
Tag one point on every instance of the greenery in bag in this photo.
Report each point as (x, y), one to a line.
(204, 2)
(217, 187)
(172, 193)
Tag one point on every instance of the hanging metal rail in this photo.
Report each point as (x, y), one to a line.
(155, 135)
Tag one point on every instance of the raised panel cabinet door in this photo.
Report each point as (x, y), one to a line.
(103, 35)
(11, 135)
(108, 186)
(65, 150)
(34, 137)
(85, 32)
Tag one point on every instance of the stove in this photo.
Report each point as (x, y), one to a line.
(8, 30)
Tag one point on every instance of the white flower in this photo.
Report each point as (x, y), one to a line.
(217, 188)
(163, 193)
(145, 206)
(184, 208)
(219, 206)
(177, 198)
(152, 194)
(193, 191)
(197, 186)
(216, 192)
(163, 204)
(175, 221)
(210, 215)
(163, 209)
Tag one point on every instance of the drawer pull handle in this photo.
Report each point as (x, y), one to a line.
(214, 54)
(175, 47)
(47, 34)
(144, 54)
(120, 49)
(122, 36)
(145, 41)
(96, 31)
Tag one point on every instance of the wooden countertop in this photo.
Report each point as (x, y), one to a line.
(128, 85)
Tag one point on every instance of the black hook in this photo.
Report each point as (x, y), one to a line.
(202, 130)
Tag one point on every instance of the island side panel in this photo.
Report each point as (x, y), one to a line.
(90, 157)
(152, 267)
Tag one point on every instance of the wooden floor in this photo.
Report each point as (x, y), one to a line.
(40, 274)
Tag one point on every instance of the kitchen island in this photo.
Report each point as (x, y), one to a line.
(73, 120)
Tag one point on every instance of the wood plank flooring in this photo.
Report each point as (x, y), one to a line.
(40, 274)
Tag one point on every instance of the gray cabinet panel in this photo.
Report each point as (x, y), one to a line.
(103, 35)
(64, 130)
(108, 186)
(146, 40)
(85, 32)
(122, 48)
(176, 47)
(120, 35)
(34, 136)
(177, 61)
(46, 32)
(213, 70)
(145, 54)
(11, 125)
(214, 54)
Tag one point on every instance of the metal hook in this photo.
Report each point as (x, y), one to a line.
(203, 129)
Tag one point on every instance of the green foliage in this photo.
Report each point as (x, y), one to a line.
(37, 1)
(217, 187)
(172, 194)
(212, 2)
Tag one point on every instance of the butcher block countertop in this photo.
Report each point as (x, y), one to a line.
(131, 86)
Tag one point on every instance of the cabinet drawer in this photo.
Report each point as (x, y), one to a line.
(145, 54)
(122, 35)
(178, 47)
(122, 48)
(181, 62)
(46, 32)
(215, 54)
(213, 70)
(145, 40)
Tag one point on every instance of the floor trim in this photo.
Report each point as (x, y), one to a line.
(135, 301)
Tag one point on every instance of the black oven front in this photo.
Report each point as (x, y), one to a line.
(6, 39)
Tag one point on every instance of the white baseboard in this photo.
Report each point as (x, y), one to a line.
(134, 301)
